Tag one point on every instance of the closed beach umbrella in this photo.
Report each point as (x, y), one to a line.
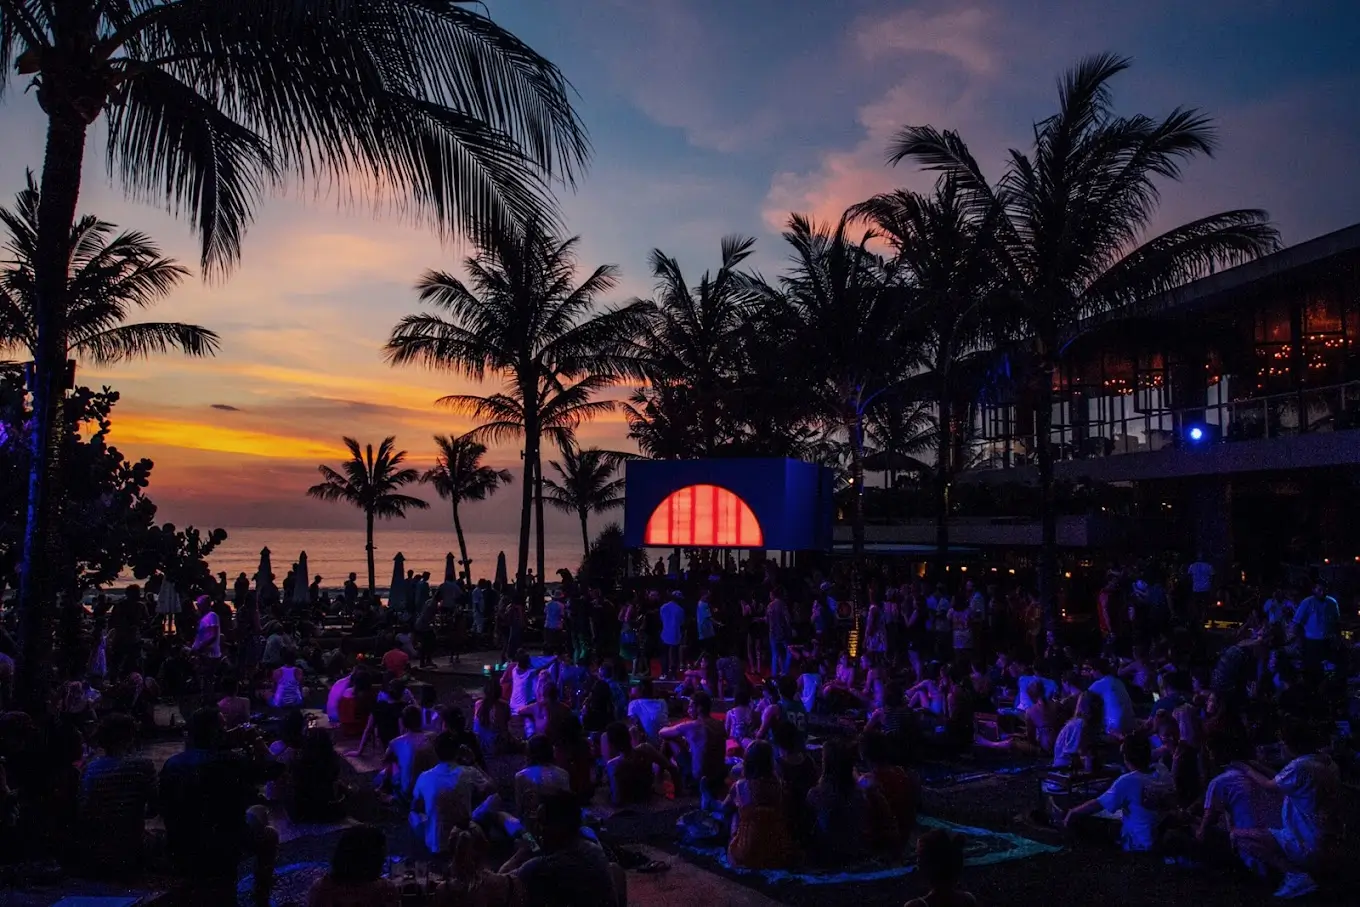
(502, 577)
(450, 570)
(167, 600)
(300, 581)
(396, 596)
(266, 569)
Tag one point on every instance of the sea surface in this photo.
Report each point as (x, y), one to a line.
(334, 553)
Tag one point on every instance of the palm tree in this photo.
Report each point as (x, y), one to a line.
(696, 338)
(844, 318)
(459, 475)
(584, 485)
(522, 315)
(371, 482)
(109, 276)
(1070, 221)
(944, 256)
(562, 410)
(208, 104)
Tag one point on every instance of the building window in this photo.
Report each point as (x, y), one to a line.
(703, 516)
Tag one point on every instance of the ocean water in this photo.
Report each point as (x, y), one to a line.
(334, 553)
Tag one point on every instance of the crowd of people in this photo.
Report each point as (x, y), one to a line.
(797, 723)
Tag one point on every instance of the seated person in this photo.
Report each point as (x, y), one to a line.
(546, 714)
(1233, 800)
(472, 882)
(760, 835)
(572, 754)
(699, 746)
(798, 772)
(337, 692)
(1041, 726)
(839, 692)
(848, 821)
(900, 788)
(931, 695)
(1142, 796)
(1074, 747)
(1025, 680)
(1115, 702)
(491, 720)
(355, 877)
(284, 751)
(895, 719)
(731, 675)
(451, 719)
(740, 723)
(1309, 840)
(810, 684)
(235, 707)
(314, 791)
(445, 796)
(649, 710)
(631, 770)
(205, 796)
(940, 857)
(409, 754)
(117, 796)
(570, 870)
(782, 704)
(538, 776)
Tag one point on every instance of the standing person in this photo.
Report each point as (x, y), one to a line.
(706, 624)
(938, 607)
(514, 626)
(425, 635)
(350, 594)
(207, 647)
(630, 652)
(757, 631)
(1317, 623)
(780, 624)
(554, 612)
(1201, 574)
(240, 590)
(672, 633)
(961, 626)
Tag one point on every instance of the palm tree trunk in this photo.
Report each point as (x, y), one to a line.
(538, 523)
(1048, 549)
(527, 492)
(42, 557)
(855, 429)
(465, 568)
(943, 473)
(368, 548)
(585, 536)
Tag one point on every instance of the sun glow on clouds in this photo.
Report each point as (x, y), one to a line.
(135, 431)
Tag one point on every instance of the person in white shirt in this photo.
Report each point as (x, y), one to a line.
(444, 797)
(673, 632)
(1141, 796)
(1114, 696)
(1233, 798)
(208, 638)
(1309, 838)
(1279, 609)
(1317, 624)
(1201, 574)
(651, 713)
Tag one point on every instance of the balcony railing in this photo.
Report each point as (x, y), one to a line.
(1322, 409)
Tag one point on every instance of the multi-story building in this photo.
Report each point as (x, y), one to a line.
(1227, 410)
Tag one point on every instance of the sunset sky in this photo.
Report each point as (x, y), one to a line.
(707, 117)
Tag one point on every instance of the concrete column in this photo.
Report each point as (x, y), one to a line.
(1210, 502)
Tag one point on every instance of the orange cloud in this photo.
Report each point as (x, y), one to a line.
(153, 431)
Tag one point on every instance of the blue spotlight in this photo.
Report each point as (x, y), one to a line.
(1196, 434)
